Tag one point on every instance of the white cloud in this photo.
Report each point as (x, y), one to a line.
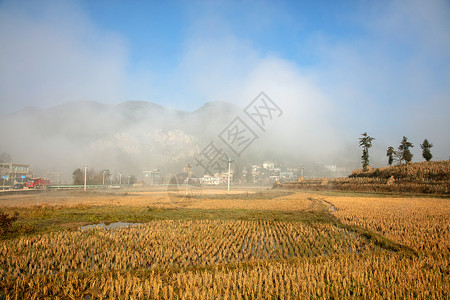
(229, 69)
(386, 80)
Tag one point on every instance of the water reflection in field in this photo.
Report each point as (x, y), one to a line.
(110, 225)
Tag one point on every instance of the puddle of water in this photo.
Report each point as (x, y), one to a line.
(332, 208)
(110, 226)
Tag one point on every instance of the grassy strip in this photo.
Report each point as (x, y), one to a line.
(48, 218)
(266, 195)
(377, 238)
(367, 194)
(364, 189)
(380, 240)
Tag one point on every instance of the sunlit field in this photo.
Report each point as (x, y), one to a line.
(251, 243)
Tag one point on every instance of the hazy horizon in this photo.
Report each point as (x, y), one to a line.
(336, 70)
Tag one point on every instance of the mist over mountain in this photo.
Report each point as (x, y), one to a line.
(136, 136)
(129, 137)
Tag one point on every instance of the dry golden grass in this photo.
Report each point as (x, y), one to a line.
(431, 171)
(161, 199)
(420, 223)
(372, 275)
(74, 198)
(164, 244)
(423, 177)
(234, 259)
(295, 202)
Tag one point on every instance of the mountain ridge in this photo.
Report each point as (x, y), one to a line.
(126, 104)
(128, 136)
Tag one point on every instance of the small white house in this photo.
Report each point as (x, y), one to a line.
(209, 180)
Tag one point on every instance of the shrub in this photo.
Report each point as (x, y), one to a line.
(6, 222)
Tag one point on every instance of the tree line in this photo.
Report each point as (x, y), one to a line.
(94, 177)
(403, 152)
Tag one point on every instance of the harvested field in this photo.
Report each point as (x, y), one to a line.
(275, 244)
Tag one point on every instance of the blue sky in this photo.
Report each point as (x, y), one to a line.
(345, 66)
(159, 36)
(156, 31)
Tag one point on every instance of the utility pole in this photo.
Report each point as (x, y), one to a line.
(85, 172)
(104, 177)
(229, 173)
(188, 168)
(261, 175)
(120, 178)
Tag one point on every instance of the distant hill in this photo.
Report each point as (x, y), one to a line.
(127, 137)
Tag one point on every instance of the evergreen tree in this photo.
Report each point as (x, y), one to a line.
(365, 142)
(238, 174)
(249, 175)
(404, 153)
(390, 152)
(78, 177)
(426, 153)
(92, 177)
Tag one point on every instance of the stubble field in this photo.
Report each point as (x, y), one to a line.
(249, 244)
